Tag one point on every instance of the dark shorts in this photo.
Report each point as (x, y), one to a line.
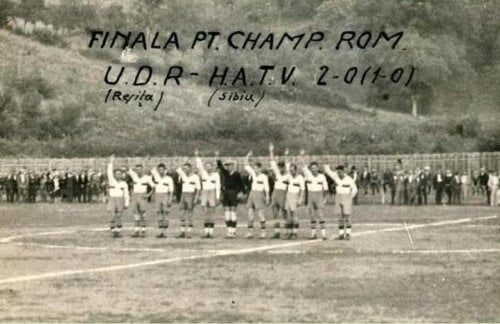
(230, 198)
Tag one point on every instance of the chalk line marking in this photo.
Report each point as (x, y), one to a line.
(465, 251)
(129, 266)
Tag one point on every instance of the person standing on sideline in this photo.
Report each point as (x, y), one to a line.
(399, 187)
(210, 193)
(456, 189)
(439, 187)
(346, 190)
(483, 184)
(317, 189)
(118, 198)
(258, 198)
(423, 184)
(493, 188)
(232, 188)
(464, 190)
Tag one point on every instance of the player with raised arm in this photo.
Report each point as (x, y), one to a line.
(118, 198)
(163, 196)
(190, 190)
(232, 188)
(210, 193)
(295, 198)
(278, 199)
(346, 191)
(258, 197)
(317, 188)
(140, 196)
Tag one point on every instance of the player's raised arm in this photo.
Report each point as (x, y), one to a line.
(219, 163)
(248, 168)
(199, 164)
(111, 177)
(133, 175)
(332, 174)
(155, 174)
(287, 161)
(305, 167)
(272, 161)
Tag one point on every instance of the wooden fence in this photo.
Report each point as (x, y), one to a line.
(455, 161)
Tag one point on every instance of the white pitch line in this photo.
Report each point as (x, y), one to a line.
(466, 251)
(128, 266)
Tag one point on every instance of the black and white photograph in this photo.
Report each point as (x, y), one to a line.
(237, 161)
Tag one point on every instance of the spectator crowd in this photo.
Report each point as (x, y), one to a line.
(396, 186)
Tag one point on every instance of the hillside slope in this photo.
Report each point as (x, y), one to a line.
(184, 121)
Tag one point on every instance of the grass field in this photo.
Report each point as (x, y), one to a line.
(60, 264)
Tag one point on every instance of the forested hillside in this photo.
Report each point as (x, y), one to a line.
(51, 89)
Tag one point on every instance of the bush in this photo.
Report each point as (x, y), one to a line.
(34, 82)
(101, 54)
(49, 38)
(468, 126)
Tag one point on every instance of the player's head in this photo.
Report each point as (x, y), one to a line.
(188, 168)
(230, 165)
(281, 167)
(293, 169)
(117, 173)
(314, 168)
(258, 167)
(209, 167)
(161, 168)
(340, 171)
(139, 169)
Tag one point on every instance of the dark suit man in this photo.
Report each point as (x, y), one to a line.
(71, 186)
(364, 179)
(374, 182)
(483, 183)
(438, 183)
(448, 186)
(423, 183)
(82, 184)
(33, 185)
(10, 187)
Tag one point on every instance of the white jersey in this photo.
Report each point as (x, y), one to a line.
(163, 184)
(141, 183)
(296, 184)
(190, 183)
(281, 180)
(315, 183)
(346, 185)
(209, 181)
(117, 188)
(260, 182)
